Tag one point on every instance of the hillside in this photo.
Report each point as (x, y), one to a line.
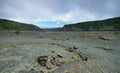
(13, 25)
(108, 24)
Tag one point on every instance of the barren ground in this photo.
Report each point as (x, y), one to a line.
(18, 54)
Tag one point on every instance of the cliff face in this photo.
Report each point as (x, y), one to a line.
(12, 25)
(108, 24)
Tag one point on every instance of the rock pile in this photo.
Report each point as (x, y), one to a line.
(105, 38)
(48, 61)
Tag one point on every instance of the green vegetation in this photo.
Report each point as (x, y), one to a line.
(12, 25)
(108, 24)
(77, 59)
(107, 48)
(17, 32)
(65, 61)
(116, 33)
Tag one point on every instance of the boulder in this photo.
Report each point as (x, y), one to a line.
(48, 65)
(60, 56)
(42, 60)
(82, 55)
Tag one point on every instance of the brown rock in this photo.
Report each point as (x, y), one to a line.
(52, 61)
(58, 63)
(48, 65)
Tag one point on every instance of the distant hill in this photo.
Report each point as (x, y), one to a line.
(108, 24)
(53, 29)
(13, 25)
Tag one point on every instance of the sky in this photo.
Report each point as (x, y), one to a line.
(57, 13)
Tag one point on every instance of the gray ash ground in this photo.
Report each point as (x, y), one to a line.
(18, 54)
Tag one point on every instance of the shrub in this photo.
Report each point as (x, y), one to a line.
(77, 59)
(116, 33)
(107, 48)
(65, 61)
(17, 32)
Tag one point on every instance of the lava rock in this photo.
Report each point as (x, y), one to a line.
(42, 60)
(75, 47)
(60, 56)
(48, 65)
(82, 55)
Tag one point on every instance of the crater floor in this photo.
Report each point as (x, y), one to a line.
(18, 54)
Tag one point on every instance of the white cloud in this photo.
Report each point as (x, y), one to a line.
(35, 15)
(75, 15)
(71, 11)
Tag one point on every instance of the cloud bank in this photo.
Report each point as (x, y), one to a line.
(56, 13)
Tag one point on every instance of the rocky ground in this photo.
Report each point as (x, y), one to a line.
(76, 52)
